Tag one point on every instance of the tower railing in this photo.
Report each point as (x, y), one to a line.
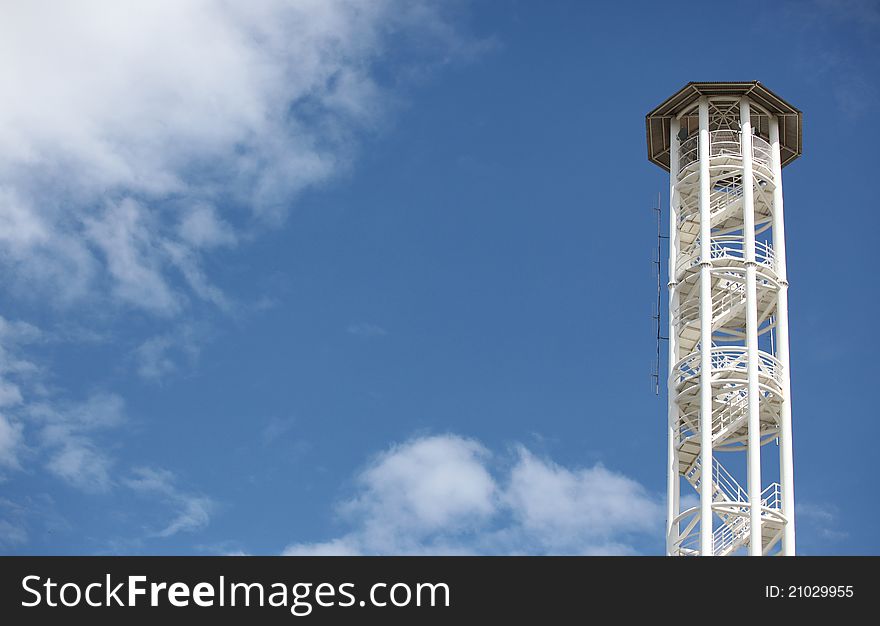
(732, 359)
(722, 197)
(724, 301)
(771, 497)
(731, 504)
(733, 412)
(729, 247)
(723, 143)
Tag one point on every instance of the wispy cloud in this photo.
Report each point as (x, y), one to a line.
(275, 429)
(62, 433)
(10, 440)
(191, 511)
(446, 495)
(13, 529)
(124, 163)
(820, 521)
(126, 167)
(70, 439)
(67, 433)
(31, 515)
(162, 355)
(840, 48)
(363, 329)
(15, 371)
(863, 13)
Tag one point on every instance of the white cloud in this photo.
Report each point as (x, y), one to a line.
(9, 394)
(820, 521)
(14, 371)
(275, 429)
(138, 137)
(439, 495)
(70, 438)
(79, 462)
(10, 440)
(31, 515)
(14, 336)
(154, 362)
(824, 514)
(132, 254)
(18, 332)
(192, 511)
(426, 487)
(364, 329)
(67, 434)
(563, 507)
(160, 355)
(344, 546)
(12, 533)
(837, 40)
(202, 228)
(63, 434)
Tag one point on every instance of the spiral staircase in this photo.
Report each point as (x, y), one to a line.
(729, 356)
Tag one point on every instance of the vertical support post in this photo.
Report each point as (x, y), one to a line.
(673, 483)
(754, 437)
(706, 479)
(786, 461)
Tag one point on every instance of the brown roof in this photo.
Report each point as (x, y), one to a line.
(790, 119)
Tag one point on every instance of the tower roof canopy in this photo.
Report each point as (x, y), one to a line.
(790, 119)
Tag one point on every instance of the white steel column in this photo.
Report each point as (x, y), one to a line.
(754, 440)
(706, 547)
(786, 462)
(673, 482)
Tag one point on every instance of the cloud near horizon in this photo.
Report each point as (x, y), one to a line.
(446, 494)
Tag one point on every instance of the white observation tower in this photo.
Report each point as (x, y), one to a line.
(724, 145)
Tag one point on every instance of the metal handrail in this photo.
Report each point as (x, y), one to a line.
(762, 153)
(733, 411)
(727, 358)
(723, 143)
(727, 484)
(771, 497)
(689, 152)
(689, 310)
(720, 198)
(728, 535)
(690, 543)
(731, 247)
(723, 483)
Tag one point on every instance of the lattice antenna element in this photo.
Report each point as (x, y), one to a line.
(729, 385)
(658, 304)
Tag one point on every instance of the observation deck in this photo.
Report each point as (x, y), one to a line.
(658, 121)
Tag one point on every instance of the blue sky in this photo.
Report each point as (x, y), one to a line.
(336, 277)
